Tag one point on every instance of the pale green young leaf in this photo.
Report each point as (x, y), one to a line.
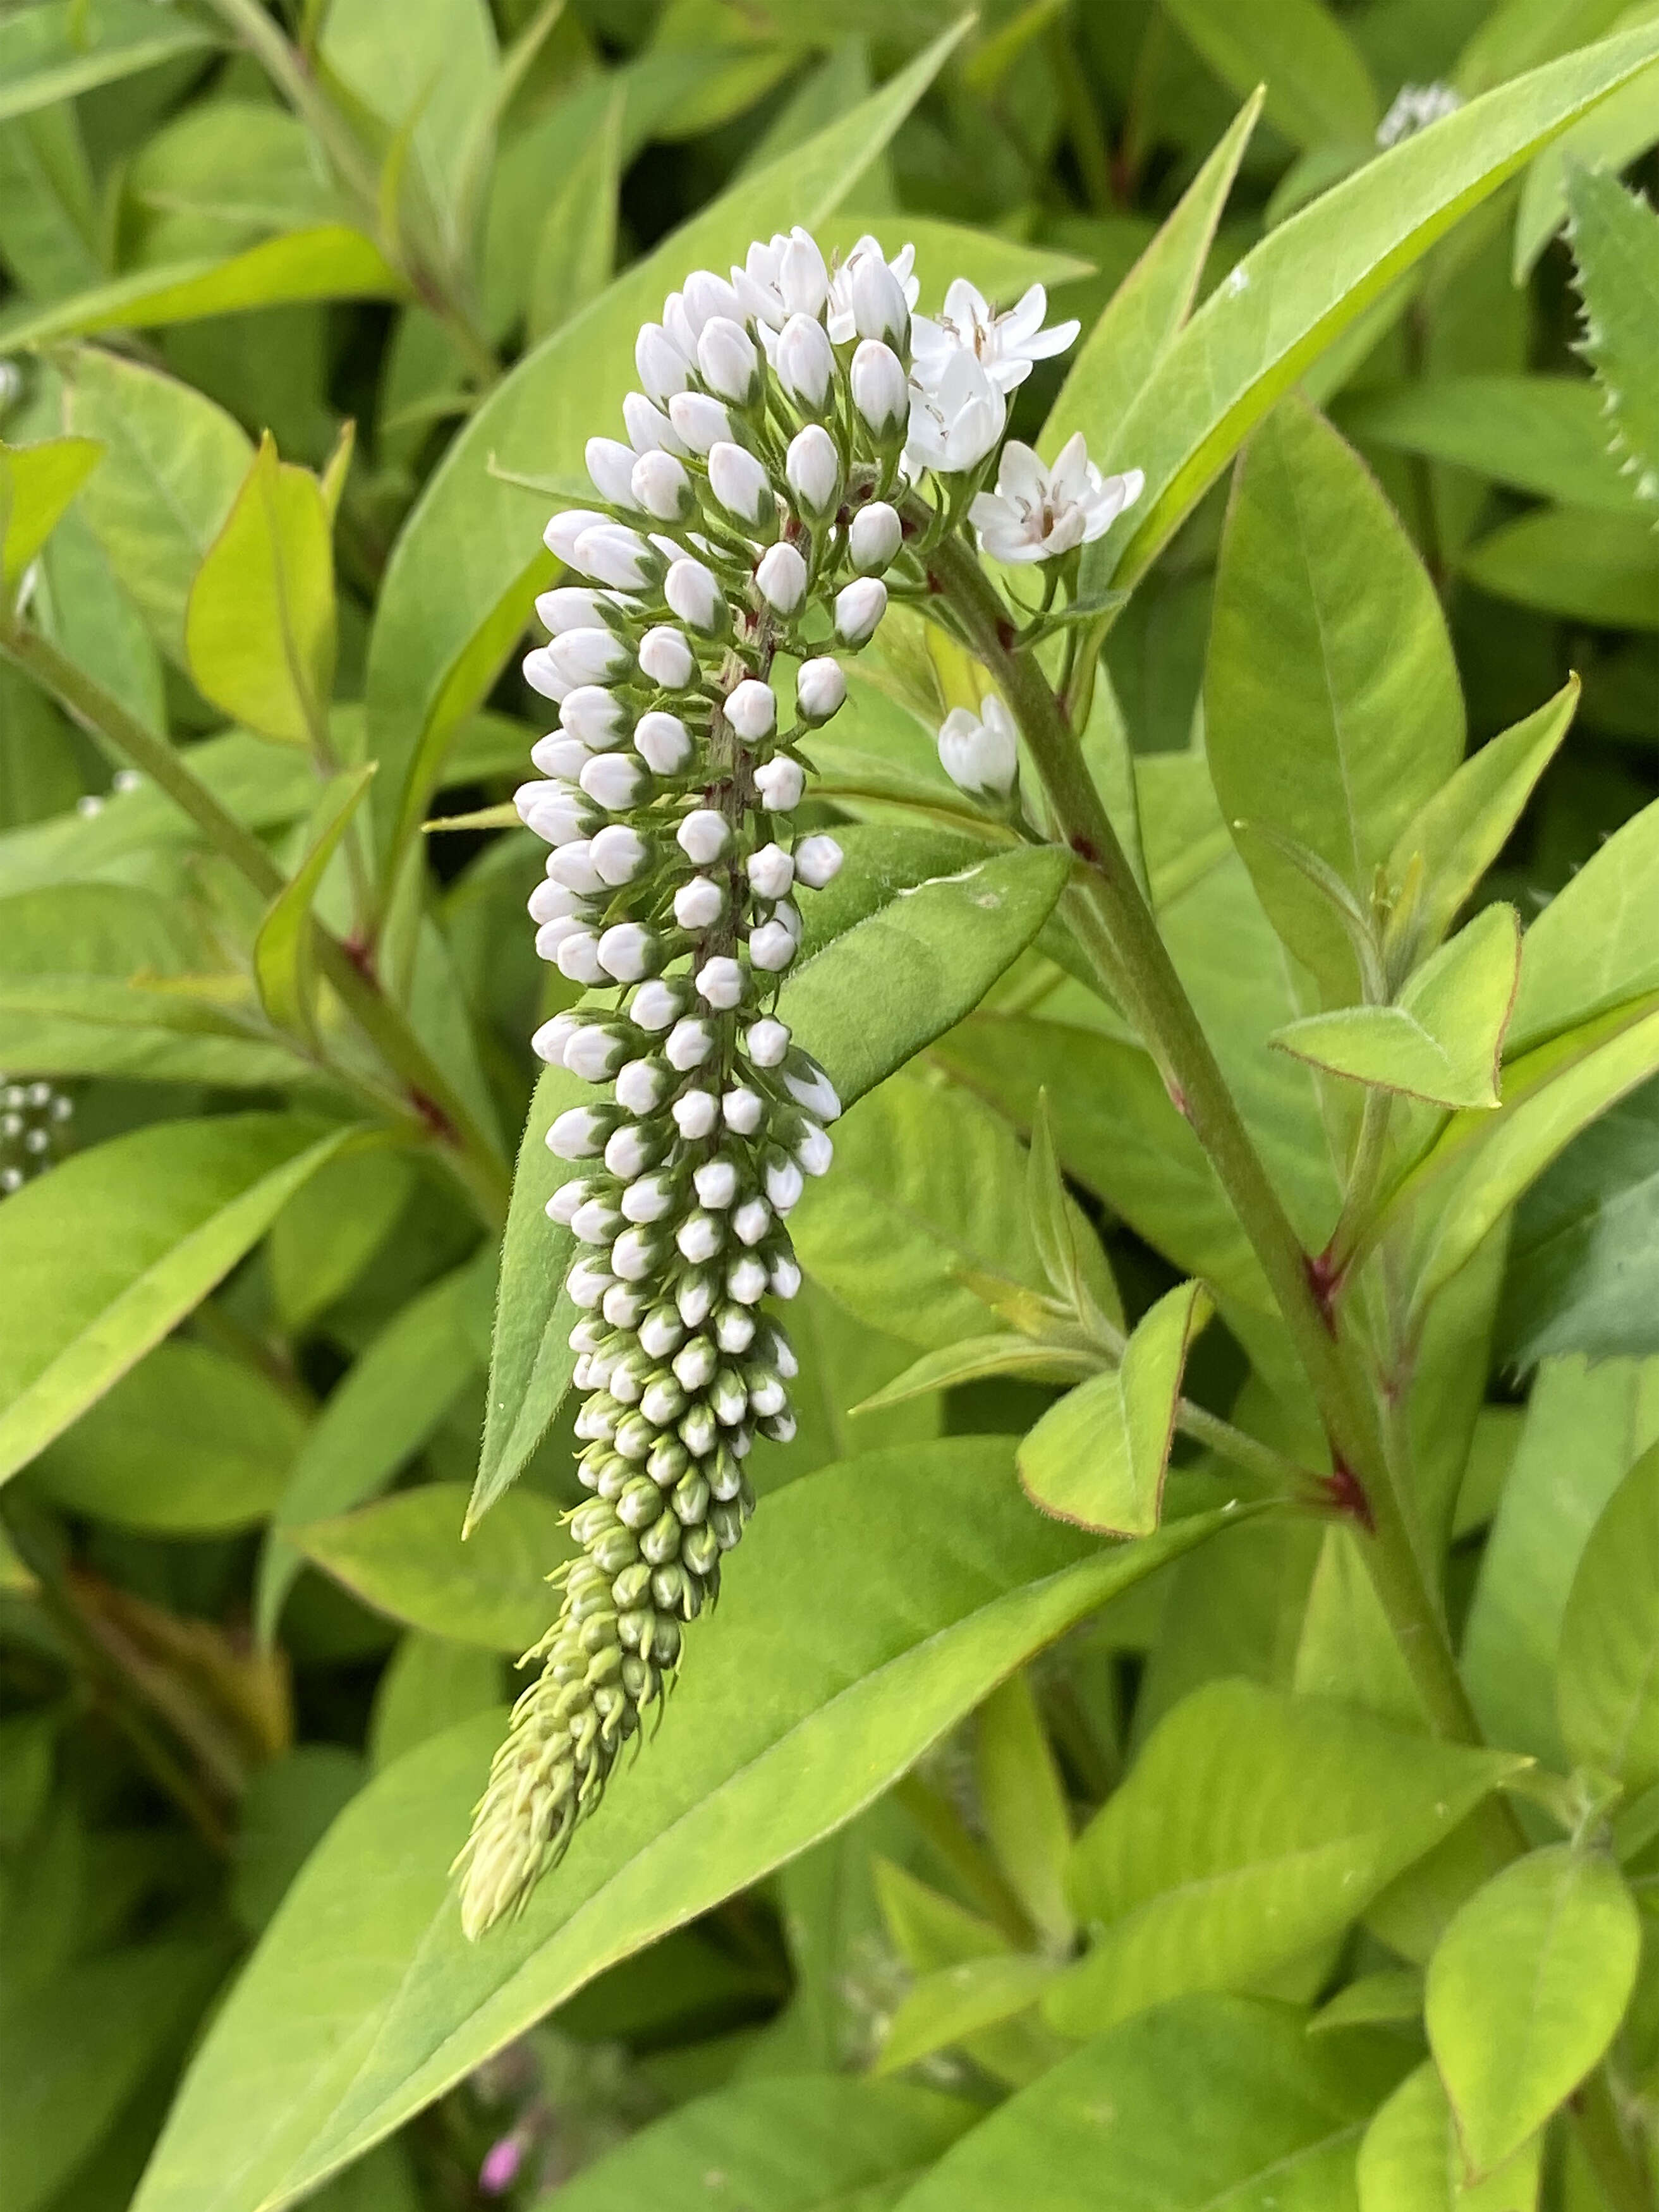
(431, 1684)
(1573, 563)
(1345, 1648)
(1615, 241)
(80, 606)
(576, 251)
(329, 2042)
(1519, 34)
(1525, 1992)
(1210, 2102)
(1410, 2159)
(958, 2002)
(1022, 1803)
(1610, 137)
(1319, 90)
(1253, 1826)
(55, 51)
(175, 1206)
(1593, 945)
(283, 964)
(189, 1442)
(1390, 1997)
(1444, 1040)
(1460, 831)
(974, 1358)
(259, 627)
(37, 483)
(1098, 1458)
(1606, 1685)
(929, 1930)
(1309, 281)
(48, 212)
(173, 463)
(330, 1229)
(1140, 321)
(423, 69)
(1331, 705)
(405, 1557)
(1544, 435)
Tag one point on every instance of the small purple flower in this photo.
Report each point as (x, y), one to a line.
(500, 2167)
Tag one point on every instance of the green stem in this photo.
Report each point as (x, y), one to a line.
(430, 1098)
(1141, 974)
(1283, 1477)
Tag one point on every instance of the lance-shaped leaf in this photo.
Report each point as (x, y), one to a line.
(1444, 1041)
(1319, 91)
(1607, 1684)
(1411, 2159)
(1571, 561)
(282, 950)
(1615, 242)
(1544, 435)
(259, 627)
(345, 2023)
(1594, 945)
(1526, 1990)
(1022, 1798)
(104, 1256)
(37, 483)
(59, 50)
(978, 1357)
(1098, 1458)
(958, 2002)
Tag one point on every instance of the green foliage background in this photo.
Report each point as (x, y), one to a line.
(983, 1859)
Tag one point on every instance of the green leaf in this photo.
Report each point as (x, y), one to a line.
(1610, 137)
(1525, 1992)
(79, 604)
(958, 2003)
(1583, 1264)
(424, 68)
(37, 483)
(1210, 2103)
(1331, 705)
(405, 1557)
(1460, 831)
(260, 627)
(1140, 321)
(287, 1809)
(577, 249)
(1518, 34)
(1309, 280)
(329, 2042)
(1606, 1686)
(893, 957)
(1444, 1042)
(1022, 1803)
(1544, 435)
(54, 51)
(1318, 88)
(332, 1228)
(173, 463)
(1393, 1996)
(430, 1682)
(190, 1442)
(282, 948)
(1595, 1421)
(1593, 945)
(811, 2144)
(175, 1206)
(1615, 241)
(1410, 2160)
(1252, 1827)
(1571, 562)
(468, 562)
(1098, 1457)
(325, 261)
(974, 1358)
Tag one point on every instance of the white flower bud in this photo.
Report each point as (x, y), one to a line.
(578, 957)
(875, 537)
(592, 715)
(803, 280)
(859, 606)
(648, 1199)
(781, 577)
(634, 1255)
(781, 782)
(622, 1307)
(734, 1330)
(721, 981)
(698, 1238)
(703, 835)
(751, 1220)
(618, 852)
(587, 1283)
(784, 1185)
(664, 369)
(699, 421)
(611, 464)
(561, 533)
(571, 607)
(806, 362)
(662, 742)
(641, 1086)
(657, 1005)
(650, 429)
(694, 1364)
(662, 1403)
(768, 1396)
(562, 1206)
(741, 485)
(980, 753)
(820, 689)
(676, 321)
(751, 709)
(576, 1134)
(690, 1043)
(552, 933)
(717, 1182)
(540, 674)
(770, 871)
(593, 1052)
(693, 593)
(706, 295)
(742, 1110)
(817, 861)
(549, 1041)
(628, 950)
(767, 1042)
(614, 555)
(659, 484)
(555, 812)
(813, 468)
(814, 1152)
(589, 656)
(696, 1114)
(629, 1153)
(573, 867)
(698, 903)
(694, 1296)
(771, 947)
(881, 391)
(666, 656)
(614, 781)
(747, 1282)
(784, 1281)
(660, 1332)
(880, 309)
(810, 1087)
(559, 754)
(729, 364)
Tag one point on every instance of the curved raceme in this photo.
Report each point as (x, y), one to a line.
(750, 517)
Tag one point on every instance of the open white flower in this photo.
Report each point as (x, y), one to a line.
(979, 752)
(955, 422)
(1006, 344)
(1036, 514)
(841, 319)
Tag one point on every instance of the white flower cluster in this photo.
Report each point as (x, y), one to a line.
(33, 1117)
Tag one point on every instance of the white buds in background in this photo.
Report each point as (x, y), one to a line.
(859, 607)
(781, 578)
(658, 483)
(752, 710)
(817, 861)
(740, 482)
(820, 689)
(805, 363)
(666, 656)
(561, 532)
(979, 752)
(662, 742)
(648, 429)
(693, 593)
(781, 782)
(875, 537)
(813, 468)
(610, 465)
(664, 369)
(881, 391)
(729, 364)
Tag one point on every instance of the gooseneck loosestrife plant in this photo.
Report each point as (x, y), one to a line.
(803, 445)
